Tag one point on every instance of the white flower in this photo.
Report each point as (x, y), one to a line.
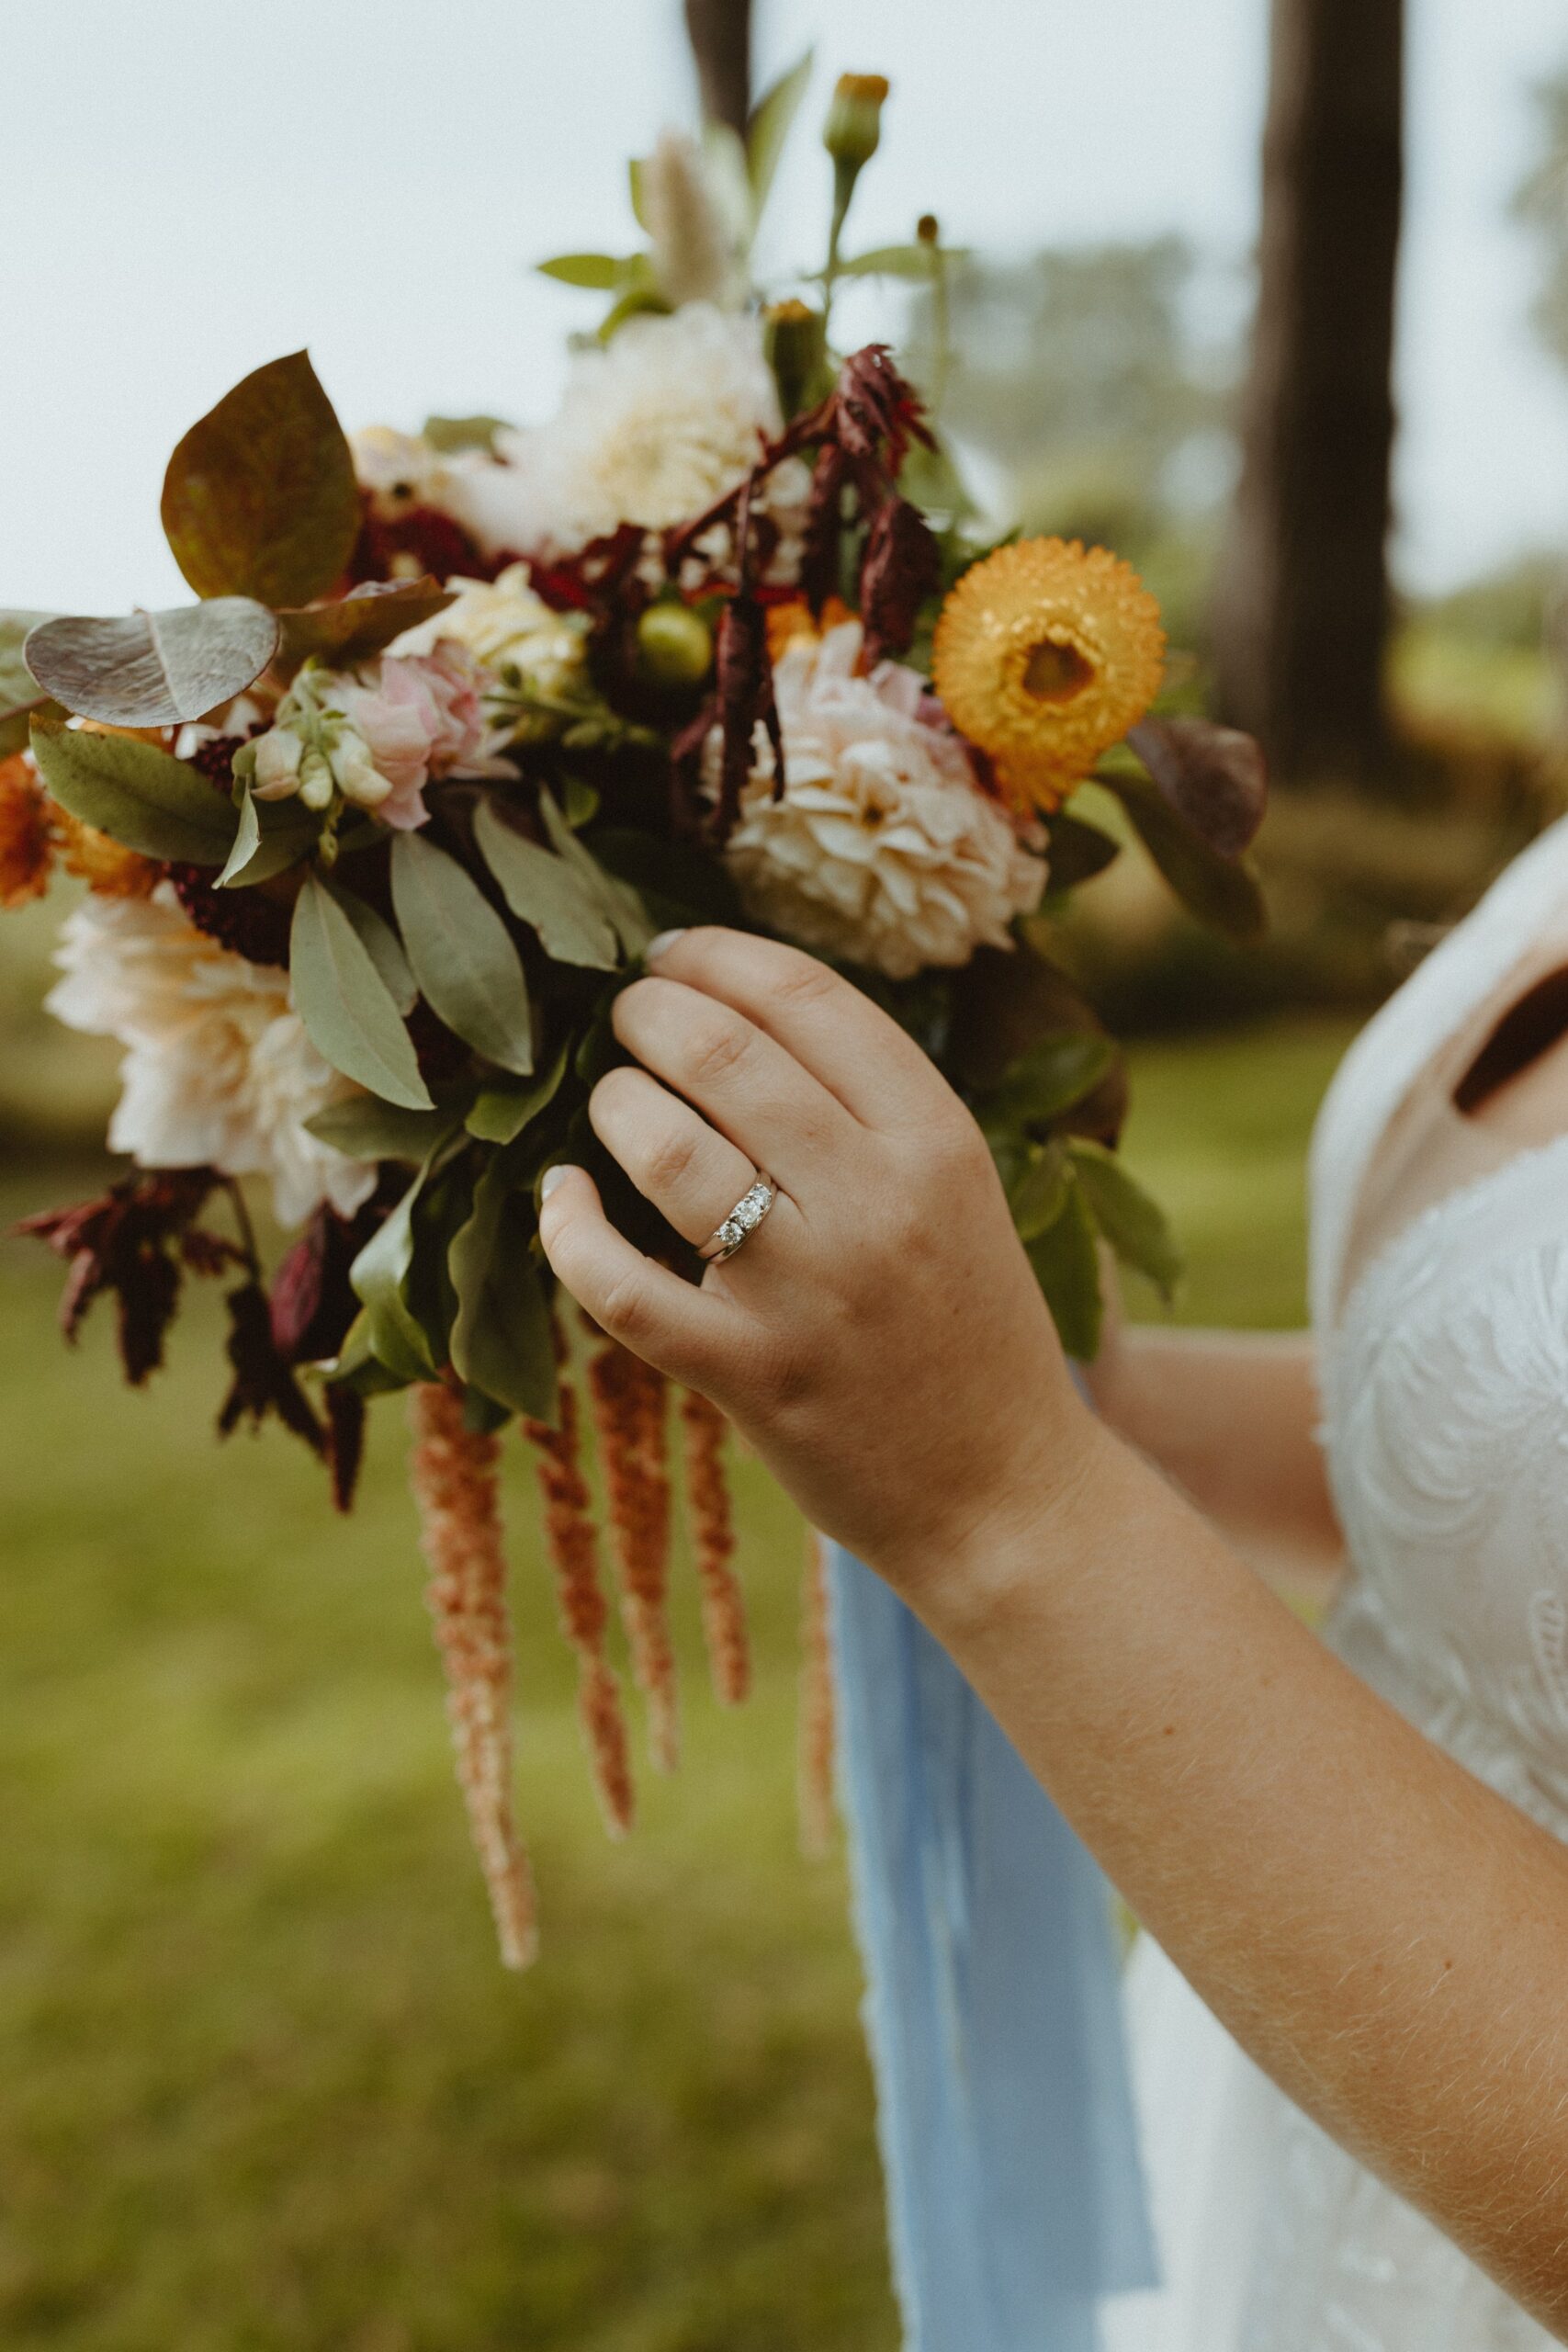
(654, 426)
(694, 233)
(883, 849)
(218, 1071)
(505, 625)
(400, 470)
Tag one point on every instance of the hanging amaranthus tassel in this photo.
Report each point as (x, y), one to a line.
(702, 1427)
(454, 1480)
(817, 1711)
(572, 1540)
(628, 1414)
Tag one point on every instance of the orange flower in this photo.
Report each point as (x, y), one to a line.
(786, 622)
(26, 836)
(1045, 653)
(100, 861)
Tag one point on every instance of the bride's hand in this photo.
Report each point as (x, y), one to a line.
(880, 1338)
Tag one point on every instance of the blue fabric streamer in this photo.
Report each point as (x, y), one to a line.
(993, 2007)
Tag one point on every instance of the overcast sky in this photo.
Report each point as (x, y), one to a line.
(196, 185)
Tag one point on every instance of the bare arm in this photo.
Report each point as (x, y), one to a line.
(1396, 1953)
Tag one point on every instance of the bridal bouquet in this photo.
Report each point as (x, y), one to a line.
(373, 831)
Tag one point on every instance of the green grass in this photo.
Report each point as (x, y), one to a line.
(266, 2085)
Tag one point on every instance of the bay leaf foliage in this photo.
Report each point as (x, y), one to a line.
(350, 1014)
(461, 953)
(135, 792)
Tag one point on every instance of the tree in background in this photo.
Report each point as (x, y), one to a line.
(1541, 201)
(1301, 619)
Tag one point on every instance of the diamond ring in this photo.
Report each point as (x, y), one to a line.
(742, 1221)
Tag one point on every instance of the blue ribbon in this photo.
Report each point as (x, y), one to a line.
(993, 2007)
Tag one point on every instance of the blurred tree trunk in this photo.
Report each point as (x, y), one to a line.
(720, 34)
(1302, 613)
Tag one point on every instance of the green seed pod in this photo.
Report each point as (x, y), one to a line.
(674, 646)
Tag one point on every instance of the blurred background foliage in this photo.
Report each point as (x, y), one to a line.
(266, 2085)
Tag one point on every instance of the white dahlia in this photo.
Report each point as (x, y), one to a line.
(882, 848)
(218, 1071)
(654, 426)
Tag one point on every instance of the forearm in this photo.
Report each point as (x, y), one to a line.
(1231, 1417)
(1391, 1949)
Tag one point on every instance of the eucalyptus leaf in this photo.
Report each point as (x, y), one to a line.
(142, 797)
(502, 1341)
(346, 1005)
(363, 1127)
(341, 631)
(542, 890)
(451, 434)
(382, 945)
(273, 836)
(500, 1112)
(1066, 1267)
(20, 693)
(1135, 1225)
(260, 498)
(601, 273)
(768, 130)
(463, 956)
(153, 669)
(378, 1278)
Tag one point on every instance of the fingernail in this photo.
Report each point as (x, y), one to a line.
(661, 945)
(552, 1177)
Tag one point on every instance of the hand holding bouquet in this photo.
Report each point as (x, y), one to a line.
(375, 834)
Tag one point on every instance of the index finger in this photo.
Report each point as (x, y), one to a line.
(847, 1043)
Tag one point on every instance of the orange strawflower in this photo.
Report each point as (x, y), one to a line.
(703, 1429)
(786, 622)
(100, 861)
(818, 1727)
(453, 1474)
(27, 833)
(1045, 653)
(571, 1540)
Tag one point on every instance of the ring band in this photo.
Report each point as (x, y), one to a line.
(742, 1221)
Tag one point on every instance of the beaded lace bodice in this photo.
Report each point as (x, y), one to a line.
(1445, 1421)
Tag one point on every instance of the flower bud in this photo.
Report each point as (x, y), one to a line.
(274, 763)
(315, 780)
(359, 778)
(853, 127)
(795, 341)
(674, 646)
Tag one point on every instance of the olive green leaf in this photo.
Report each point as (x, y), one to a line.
(153, 669)
(342, 630)
(139, 796)
(552, 897)
(1056, 1073)
(363, 1127)
(382, 944)
(273, 835)
(1134, 1224)
(20, 693)
(260, 498)
(1075, 852)
(378, 1279)
(452, 434)
(462, 955)
(1038, 1194)
(500, 1112)
(619, 900)
(346, 1005)
(502, 1341)
(1066, 1267)
(769, 126)
(601, 273)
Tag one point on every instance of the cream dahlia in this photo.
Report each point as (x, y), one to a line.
(218, 1069)
(535, 653)
(654, 426)
(882, 849)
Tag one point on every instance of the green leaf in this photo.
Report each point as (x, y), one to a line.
(273, 836)
(344, 1003)
(1220, 891)
(769, 128)
(619, 902)
(601, 273)
(260, 498)
(581, 802)
(1056, 1073)
(452, 434)
(378, 1278)
(676, 882)
(500, 1113)
(1076, 853)
(914, 262)
(382, 945)
(464, 958)
(342, 630)
(502, 1341)
(137, 794)
(1038, 1194)
(20, 693)
(542, 890)
(153, 669)
(363, 1127)
(1134, 1224)
(1066, 1267)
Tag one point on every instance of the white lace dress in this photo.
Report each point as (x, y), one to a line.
(1445, 1421)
